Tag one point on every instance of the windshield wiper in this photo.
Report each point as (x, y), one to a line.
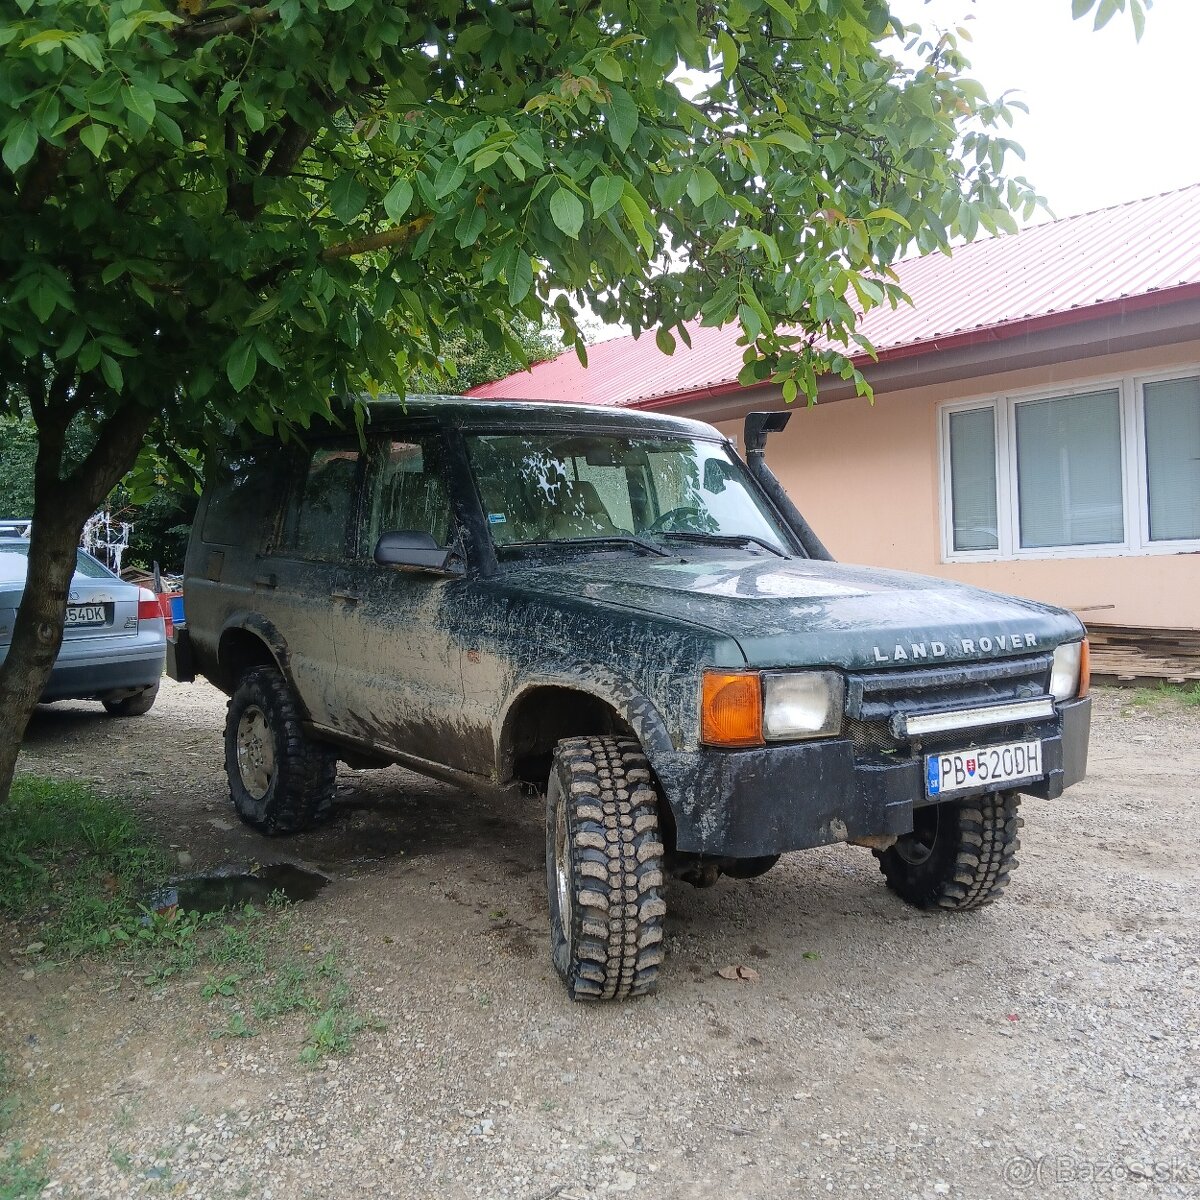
(722, 539)
(611, 539)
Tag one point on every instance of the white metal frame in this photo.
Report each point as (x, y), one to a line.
(1134, 473)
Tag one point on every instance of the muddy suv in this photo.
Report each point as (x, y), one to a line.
(612, 611)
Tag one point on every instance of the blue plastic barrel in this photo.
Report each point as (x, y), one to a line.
(177, 609)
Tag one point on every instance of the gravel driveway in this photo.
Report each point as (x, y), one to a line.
(1048, 1044)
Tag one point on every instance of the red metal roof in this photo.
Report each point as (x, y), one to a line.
(1004, 286)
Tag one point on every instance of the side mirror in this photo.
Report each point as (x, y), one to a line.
(412, 548)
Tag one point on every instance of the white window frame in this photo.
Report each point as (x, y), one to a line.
(1135, 484)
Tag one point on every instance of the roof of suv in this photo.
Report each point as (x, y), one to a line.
(520, 414)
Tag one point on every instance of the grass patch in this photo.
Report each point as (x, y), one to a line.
(76, 863)
(75, 871)
(1165, 695)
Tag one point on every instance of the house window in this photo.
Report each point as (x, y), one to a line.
(1171, 410)
(1113, 469)
(1069, 471)
(972, 435)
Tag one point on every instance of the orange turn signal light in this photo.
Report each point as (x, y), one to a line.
(731, 709)
(1085, 670)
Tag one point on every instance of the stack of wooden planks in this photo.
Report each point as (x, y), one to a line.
(1129, 653)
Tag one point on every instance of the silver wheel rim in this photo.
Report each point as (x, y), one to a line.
(255, 752)
(562, 866)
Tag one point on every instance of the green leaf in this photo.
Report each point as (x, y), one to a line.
(566, 209)
(1106, 12)
(888, 214)
(470, 225)
(398, 199)
(241, 365)
(347, 197)
(1139, 18)
(666, 343)
(789, 140)
(605, 192)
(111, 370)
(701, 186)
(19, 145)
(1080, 8)
(729, 54)
(139, 101)
(94, 136)
(622, 115)
(449, 177)
(521, 279)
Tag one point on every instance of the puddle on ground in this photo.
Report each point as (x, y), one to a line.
(231, 887)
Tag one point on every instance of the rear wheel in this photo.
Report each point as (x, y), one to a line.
(280, 780)
(959, 854)
(604, 869)
(136, 705)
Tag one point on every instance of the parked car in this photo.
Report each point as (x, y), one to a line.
(611, 609)
(114, 640)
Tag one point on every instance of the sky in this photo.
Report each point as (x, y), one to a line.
(1111, 119)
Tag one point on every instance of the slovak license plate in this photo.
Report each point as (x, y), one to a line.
(85, 614)
(958, 770)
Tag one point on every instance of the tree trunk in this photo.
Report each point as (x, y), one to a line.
(60, 509)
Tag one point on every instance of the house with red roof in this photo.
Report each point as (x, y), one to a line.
(1035, 426)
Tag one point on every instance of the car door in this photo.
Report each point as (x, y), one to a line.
(398, 651)
(296, 581)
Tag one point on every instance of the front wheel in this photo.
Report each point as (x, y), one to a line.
(959, 854)
(604, 868)
(280, 780)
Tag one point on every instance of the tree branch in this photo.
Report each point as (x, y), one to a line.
(204, 31)
(377, 241)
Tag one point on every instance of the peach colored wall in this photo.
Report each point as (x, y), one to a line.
(868, 479)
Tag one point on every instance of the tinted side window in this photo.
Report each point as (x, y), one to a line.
(408, 492)
(242, 501)
(323, 504)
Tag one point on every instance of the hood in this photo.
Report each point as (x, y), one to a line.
(803, 612)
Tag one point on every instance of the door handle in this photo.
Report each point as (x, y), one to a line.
(348, 597)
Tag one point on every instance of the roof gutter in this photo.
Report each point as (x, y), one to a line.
(973, 337)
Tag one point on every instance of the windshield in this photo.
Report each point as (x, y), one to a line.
(547, 487)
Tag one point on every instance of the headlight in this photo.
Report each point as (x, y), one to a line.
(802, 704)
(1069, 675)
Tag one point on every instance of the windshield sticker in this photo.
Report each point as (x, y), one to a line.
(496, 518)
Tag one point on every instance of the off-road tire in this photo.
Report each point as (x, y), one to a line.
(137, 705)
(602, 832)
(971, 850)
(302, 783)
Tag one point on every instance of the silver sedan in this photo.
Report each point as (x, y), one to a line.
(114, 641)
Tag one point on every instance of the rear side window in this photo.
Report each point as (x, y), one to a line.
(91, 568)
(243, 500)
(323, 504)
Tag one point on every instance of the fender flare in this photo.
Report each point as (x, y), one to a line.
(619, 694)
(246, 621)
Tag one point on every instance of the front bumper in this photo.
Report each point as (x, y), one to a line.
(754, 803)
